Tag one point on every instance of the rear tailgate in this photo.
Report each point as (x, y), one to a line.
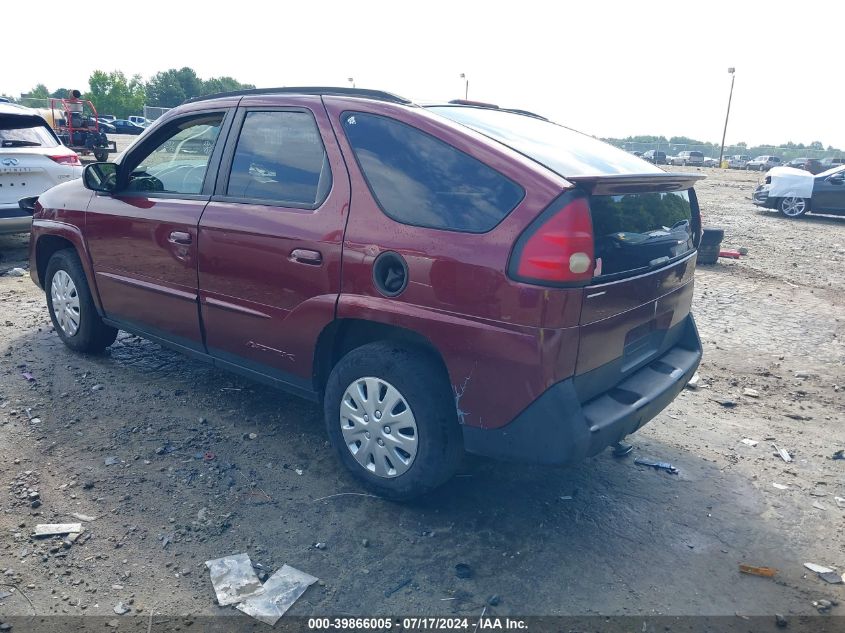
(24, 174)
(646, 228)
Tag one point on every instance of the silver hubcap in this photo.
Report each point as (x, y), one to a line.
(378, 427)
(65, 301)
(793, 206)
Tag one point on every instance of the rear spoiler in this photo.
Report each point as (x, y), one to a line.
(615, 184)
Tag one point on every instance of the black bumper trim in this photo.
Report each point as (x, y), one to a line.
(559, 429)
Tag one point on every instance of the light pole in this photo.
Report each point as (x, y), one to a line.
(466, 86)
(352, 81)
(732, 71)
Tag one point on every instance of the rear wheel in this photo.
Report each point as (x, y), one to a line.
(71, 307)
(391, 417)
(793, 207)
(101, 155)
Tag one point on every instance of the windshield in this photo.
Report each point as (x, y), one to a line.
(25, 131)
(565, 151)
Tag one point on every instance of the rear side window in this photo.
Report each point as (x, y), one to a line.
(640, 230)
(280, 158)
(696, 155)
(25, 131)
(420, 180)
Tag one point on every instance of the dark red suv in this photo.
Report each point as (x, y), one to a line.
(442, 279)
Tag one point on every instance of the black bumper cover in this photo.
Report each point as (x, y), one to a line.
(558, 428)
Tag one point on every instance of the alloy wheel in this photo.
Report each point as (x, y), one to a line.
(65, 300)
(378, 427)
(793, 207)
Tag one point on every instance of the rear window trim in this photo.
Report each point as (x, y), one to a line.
(37, 121)
(457, 149)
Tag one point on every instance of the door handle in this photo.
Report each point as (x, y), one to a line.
(305, 256)
(180, 237)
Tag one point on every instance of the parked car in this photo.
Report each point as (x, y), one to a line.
(105, 126)
(655, 156)
(830, 163)
(139, 120)
(738, 161)
(108, 118)
(711, 162)
(636, 153)
(122, 126)
(812, 165)
(762, 163)
(688, 158)
(405, 266)
(32, 159)
(796, 192)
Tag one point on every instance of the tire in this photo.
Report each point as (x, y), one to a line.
(793, 207)
(101, 156)
(88, 333)
(429, 406)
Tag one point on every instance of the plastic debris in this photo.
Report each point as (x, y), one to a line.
(82, 517)
(693, 382)
(819, 569)
(839, 454)
(28, 376)
(281, 590)
(780, 486)
(749, 442)
(657, 465)
(784, 454)
(765, 572)
(111, 460)
(15, 272)
(56, 529)
(233, 579)
(730, 254)
(840, 501)
(751, 393)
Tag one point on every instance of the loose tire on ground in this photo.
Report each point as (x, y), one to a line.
(423, 385)
(77, 323)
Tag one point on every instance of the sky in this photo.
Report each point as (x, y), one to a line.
(610, 69)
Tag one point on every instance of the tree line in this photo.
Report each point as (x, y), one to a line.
(114, 93)
(675, 144)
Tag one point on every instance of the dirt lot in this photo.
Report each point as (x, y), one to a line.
(155, 448)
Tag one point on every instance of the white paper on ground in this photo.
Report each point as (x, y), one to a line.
(789, 182)
(233, 578)
(281, 590)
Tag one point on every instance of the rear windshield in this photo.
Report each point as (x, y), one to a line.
(25, 131)
(565, 151)
(640, 230)
(696, 155)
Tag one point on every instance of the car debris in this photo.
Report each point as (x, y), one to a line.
(281, 590)
(657, 465)
(233, 579)
(749, 442)
(819, 569)
(840, 454)
(832, 577)
(56, 529)
(765, 572)
(784, 454)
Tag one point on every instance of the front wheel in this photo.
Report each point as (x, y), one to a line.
(793, 207)
(391, 418)
(71, 307)
(101, 155)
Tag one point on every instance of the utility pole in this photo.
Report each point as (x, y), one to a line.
(732, 71)
(352, 81)
(466, 86)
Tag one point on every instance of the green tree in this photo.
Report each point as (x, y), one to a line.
(112, 93)
(38, 97)
(165, 90)
(223, 84)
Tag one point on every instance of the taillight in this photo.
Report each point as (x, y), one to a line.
(557, 248)
(66, 159)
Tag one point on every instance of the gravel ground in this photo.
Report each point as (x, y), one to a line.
(155, 449)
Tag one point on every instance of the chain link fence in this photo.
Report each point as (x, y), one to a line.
(783, 152)
(151, 113)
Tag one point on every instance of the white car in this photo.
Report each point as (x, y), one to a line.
(32, 160)
(139, 120)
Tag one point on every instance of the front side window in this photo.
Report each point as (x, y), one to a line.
(280, 157)
(420, 180)
(178, 163)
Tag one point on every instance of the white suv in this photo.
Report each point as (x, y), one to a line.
(32, 160)
(763, 163)
(688, 158)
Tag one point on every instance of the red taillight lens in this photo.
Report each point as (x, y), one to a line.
(66, 159)
(558, 247)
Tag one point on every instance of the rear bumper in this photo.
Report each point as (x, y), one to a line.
(13, 219)
(558, 428)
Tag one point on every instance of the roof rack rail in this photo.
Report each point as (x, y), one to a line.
(378, 95)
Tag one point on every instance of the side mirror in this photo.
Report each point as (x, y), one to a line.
(28, 204)
(100, 177)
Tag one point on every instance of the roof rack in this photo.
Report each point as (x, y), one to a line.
(378, 95)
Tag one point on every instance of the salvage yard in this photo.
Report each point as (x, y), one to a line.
(168, 463)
